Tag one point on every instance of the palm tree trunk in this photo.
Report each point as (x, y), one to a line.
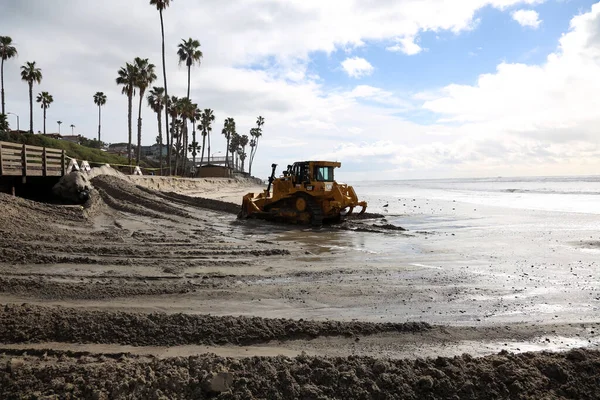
(177, 150)
(160, 142)
(185, 149)
(2, 81)
(99, 121)
(203, 146)
(30, 107)
(209, 147)
(167, 136)
(162, 29)
(194, 144)
(184, 139)
(253, 154)
(129, 111)
(227, 153)
(139, 133)
(44, 120)
(188, 92)
(250, 162)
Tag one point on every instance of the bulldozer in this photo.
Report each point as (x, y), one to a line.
(306, 193)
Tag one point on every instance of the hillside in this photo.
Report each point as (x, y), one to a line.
(72, 149)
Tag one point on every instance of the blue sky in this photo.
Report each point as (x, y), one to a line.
(492, 92)
(456, 58)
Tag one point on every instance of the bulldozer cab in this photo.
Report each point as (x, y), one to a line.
(309, 171)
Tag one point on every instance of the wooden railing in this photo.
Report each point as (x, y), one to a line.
(23, 160)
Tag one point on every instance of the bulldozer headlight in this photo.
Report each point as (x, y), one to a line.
(328, 187)
(310, 187)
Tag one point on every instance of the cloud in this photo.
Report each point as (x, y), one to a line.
(357, 67)
(406, 45)
(527, 18)
(258, 60)
(536, 100)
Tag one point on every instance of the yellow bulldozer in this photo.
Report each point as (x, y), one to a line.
(306, 193)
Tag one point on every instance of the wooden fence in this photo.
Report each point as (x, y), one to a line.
(23, 160)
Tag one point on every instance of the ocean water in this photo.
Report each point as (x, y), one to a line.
(573, 194)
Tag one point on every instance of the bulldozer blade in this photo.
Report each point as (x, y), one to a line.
(364, 207)
(349, 212)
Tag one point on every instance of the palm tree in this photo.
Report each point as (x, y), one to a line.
(7, 50)
(127, 76)
(234, 148)
(45, 99)
(144, 77)
(99, 100)
(206, 126)
(30, 74)
(256, 133)
(72, 129)
(193, 147)
(160, 6)
(243, 142)
(173, 107)
(189, 54)
(59, 124)
(156, 101)
(4, 126)
(186, 110)
(228, 129)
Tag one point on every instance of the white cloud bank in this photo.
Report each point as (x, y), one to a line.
(357, 67)
(527, 18)
(519, 120)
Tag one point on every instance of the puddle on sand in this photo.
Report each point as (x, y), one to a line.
(546, 343)
(340, 348)
(366, 246)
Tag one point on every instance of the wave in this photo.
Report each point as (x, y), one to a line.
(548, 191)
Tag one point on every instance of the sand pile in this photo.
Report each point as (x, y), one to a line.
(74, 187)
(572, 375)
(29, 323)
(105, 170)
(193, 185)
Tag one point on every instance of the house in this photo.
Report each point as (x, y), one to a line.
(72, 138)
(120, 149)
(153, 152)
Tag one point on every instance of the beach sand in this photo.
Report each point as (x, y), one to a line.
(155, 289)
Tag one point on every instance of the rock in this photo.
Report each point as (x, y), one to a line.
(74, 187)
(390, 227)
(219, 382)
(576, 355)
(425, 382)
(14, 364)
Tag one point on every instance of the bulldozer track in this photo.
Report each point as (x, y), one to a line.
(315, 211)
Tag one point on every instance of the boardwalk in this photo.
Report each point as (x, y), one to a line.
(23, 160)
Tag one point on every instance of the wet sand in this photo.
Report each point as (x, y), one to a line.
(161, 275)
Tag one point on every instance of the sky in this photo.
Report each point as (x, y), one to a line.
(394, 89)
